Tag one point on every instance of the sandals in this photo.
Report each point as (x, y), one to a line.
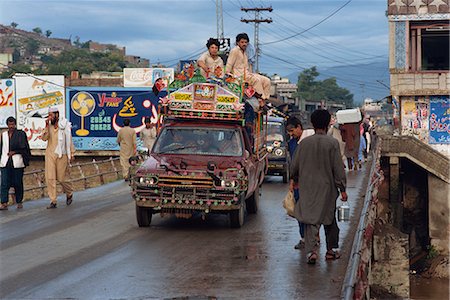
(69, 200)
(311, 258)
(51, 206)
(4, 206)
(19, 205)
(332, 255)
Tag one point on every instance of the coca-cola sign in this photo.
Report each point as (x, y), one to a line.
(146, 77)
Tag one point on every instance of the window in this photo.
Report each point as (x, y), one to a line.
(429, 46)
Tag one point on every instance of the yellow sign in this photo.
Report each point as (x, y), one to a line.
(40, 101)
(182, 96)
(128, 109)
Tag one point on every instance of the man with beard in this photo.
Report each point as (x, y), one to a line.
(318, 169)
(14, 157)
(59, 152)
(126, 138)
(237, 65)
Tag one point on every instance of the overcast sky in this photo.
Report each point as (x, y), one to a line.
(340, 31)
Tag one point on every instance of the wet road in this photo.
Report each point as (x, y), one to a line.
(94, 250)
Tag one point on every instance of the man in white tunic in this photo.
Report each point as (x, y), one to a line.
(148, 134)
(318, 170)
(59, 152)
(237, 65)
(210, 63)
(126, 138)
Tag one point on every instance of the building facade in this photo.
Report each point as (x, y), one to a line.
(419, 69)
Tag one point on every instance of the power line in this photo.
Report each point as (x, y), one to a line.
(311, 27)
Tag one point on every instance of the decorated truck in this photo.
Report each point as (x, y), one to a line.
(209, 156)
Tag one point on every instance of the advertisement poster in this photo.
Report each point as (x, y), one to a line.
(97, 114)
(146, 77)
(7, 101)
(414, 115)
(439, 120)
(35, 94)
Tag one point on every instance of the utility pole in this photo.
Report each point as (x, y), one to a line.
(257, 20)
(219, 17)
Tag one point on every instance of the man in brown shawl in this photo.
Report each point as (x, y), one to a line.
(318, 170)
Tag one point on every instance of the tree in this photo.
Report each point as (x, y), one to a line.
(311, 89)
(48, 33)
(15, 68)
(32, 46)
(37, 30)
(14, 24)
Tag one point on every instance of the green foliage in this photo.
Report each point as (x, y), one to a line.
(311, 89)
(432, 252)
(32, 46)
(18, 68)
(83, 61)
(14, 24)
(37, 30)
(48, 33)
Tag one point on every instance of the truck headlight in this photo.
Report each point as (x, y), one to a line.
(228, 183)
(279, 152)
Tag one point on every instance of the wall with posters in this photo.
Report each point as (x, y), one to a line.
(97, 114)
(428, 119)
(439, 120)
(35, 94)
(145, 77)
(7, 100)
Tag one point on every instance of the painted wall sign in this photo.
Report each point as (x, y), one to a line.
(7, 101)
(439, 120)
(414, 115)
(35, 94)
(97, 114)
(146, 77)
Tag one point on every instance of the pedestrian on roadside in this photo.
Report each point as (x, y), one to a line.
(14, 157)
(126, 138)
(58, 154)
(351, 137)
(318, 169)
(148, 134)
(295, 130)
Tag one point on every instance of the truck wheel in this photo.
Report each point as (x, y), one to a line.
(252, 202)
(143, 216)
(237, 217)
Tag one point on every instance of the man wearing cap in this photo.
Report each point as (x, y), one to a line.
(148, 134)
(126, 138)
(60, 150)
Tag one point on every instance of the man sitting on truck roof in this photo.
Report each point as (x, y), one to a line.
(237, 65)
(210, 63)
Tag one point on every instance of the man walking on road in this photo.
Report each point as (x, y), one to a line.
(148, 134)
(295, 130)
(126, 138)
(59, 152)
(14, 157)
(318, 169)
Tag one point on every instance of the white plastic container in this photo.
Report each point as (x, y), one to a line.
(352, 115)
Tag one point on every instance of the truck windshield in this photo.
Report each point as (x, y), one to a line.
(203, 141)
(275, 132)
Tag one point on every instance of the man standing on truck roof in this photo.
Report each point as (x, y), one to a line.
(237, 65)
(126, 138)
(319, 170)
(210, 63)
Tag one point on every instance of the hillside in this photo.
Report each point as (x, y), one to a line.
(352, 77)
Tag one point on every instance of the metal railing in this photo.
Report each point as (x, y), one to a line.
(356, 282)
(39, 175)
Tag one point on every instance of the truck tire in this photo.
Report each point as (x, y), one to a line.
(144, 216)
(252, 202)
(237, 217)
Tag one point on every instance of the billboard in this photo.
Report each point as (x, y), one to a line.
(7, 100)
(439, 120)
(35, 94)
(97, 114)
(145, 77)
